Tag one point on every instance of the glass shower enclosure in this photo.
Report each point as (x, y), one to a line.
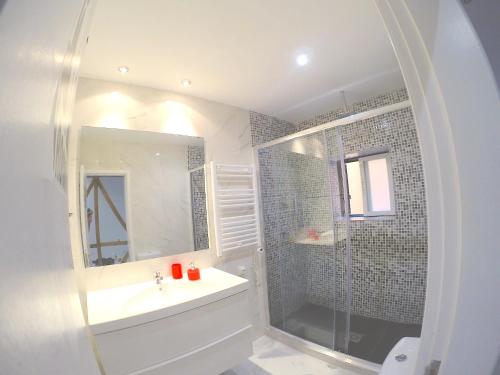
(317, 255)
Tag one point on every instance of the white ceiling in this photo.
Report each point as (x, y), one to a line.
(242, 52)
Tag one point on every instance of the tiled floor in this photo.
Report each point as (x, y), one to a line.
(274, 358)
(371, 339)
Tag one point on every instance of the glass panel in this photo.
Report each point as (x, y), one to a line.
(361, 280)
(379, 191)
(342, 244)
(199, 209)
(299, 238)
(355, 186)
(388, 257)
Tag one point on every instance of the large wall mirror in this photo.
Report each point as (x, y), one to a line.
(142, 195)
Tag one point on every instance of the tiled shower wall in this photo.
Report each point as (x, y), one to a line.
(389, 257)
(199, 209)
(285, 261)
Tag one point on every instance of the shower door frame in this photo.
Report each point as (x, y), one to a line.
(305, 346)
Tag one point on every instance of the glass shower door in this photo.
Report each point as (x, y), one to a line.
(342, 238)
(299, 206)
(345, 234)
(385, 249)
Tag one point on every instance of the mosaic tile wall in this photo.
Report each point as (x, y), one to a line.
(266, 128)
(199, 210)
(195, 156)
(389, 257)
(195, 159)
(391, 97)
(284, 215)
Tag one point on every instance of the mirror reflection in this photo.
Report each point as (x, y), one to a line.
(142, 195)
(107, 235)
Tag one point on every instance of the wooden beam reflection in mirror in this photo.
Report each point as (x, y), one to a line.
(96, 185)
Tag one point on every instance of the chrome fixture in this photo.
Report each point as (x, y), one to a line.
(158, 278)
(123, 69)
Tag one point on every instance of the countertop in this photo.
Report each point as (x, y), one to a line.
(126, 306)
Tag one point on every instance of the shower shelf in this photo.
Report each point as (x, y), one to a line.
(310, 241)
(325, 239)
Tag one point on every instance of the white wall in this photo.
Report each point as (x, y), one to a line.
(226, 129)
(456, 105)
(41, 322)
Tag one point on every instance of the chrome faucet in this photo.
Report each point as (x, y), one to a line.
(158, 278)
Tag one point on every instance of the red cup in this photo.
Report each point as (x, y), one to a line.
(177, 271)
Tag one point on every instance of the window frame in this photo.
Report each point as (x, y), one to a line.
(366, 188)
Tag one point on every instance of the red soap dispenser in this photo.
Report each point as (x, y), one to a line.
(193, 272)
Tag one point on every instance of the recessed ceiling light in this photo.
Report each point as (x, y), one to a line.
(157, 154)
(302, 59)
(123, 69)
(186, 82)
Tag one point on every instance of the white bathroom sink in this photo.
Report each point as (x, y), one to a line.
(130, 305)
(149, 294)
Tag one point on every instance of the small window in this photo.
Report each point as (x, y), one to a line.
(369, 182)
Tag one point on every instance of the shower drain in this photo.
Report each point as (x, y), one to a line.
(355, 337)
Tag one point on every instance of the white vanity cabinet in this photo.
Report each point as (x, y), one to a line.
(201, 327)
